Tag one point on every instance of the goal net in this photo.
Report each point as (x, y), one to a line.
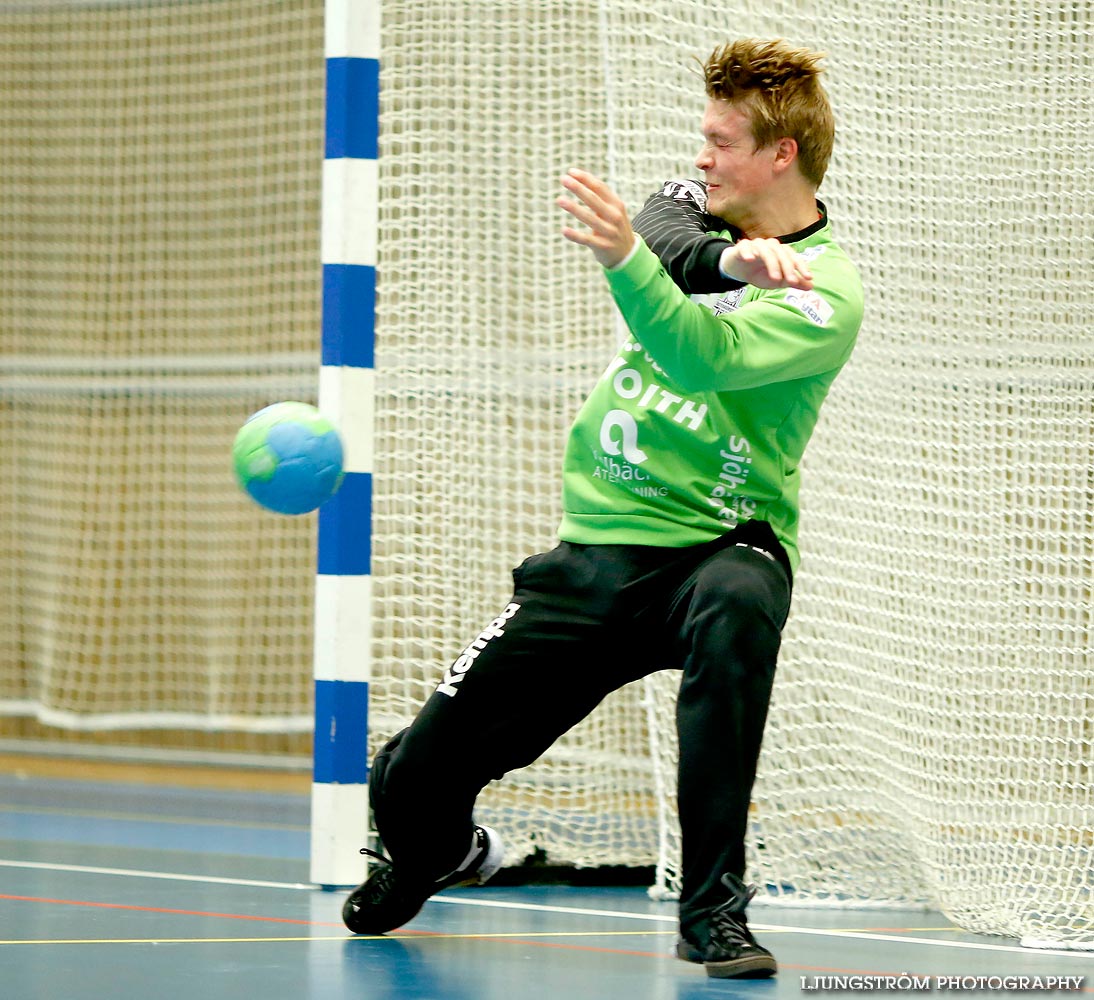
(931, 734)
(159, 206)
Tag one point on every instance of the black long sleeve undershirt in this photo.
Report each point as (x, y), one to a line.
(675, 227)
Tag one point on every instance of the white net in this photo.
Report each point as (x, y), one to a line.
(931, 736)
(159, 197)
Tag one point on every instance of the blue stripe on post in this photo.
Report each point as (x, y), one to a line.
(353, 108)
(341, 732)
(349, 315)
(345, 528)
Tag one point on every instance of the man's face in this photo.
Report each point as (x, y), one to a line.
(736, 172)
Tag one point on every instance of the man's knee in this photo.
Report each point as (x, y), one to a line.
(742, 587)
(734, 622)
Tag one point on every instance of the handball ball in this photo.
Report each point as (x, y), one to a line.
(288, 458)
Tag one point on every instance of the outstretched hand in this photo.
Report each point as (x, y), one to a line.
(609, 234)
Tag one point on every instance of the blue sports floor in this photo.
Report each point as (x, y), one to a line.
(120, 890)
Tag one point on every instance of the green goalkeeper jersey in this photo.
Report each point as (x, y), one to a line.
(700, 421)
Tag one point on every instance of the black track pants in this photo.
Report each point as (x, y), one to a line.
(583, 621)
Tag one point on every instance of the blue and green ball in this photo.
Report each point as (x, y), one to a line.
(288, 458)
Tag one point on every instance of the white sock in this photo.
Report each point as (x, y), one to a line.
(469, 857)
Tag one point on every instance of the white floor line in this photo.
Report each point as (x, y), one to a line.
(769, 928)
(572, 910)
(171, 876)
(660, 918)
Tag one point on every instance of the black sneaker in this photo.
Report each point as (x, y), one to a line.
(388, 899)
(732, 951)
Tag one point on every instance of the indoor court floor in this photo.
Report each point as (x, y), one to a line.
(116, 889)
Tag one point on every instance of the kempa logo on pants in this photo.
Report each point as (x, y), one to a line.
(454, 674)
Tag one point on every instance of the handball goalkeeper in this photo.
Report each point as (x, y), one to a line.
(679, 535)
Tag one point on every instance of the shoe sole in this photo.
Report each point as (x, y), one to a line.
(753, 967)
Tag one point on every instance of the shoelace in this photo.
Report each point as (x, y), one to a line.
(379, 885)
(377, 855)
(731, 927)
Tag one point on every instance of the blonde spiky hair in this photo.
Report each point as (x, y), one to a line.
(780, 86)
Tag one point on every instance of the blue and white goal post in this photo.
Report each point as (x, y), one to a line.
(343, 592)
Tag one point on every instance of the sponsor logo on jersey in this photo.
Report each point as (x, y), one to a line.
(814, 306)
(728, 302)
(736, 459)
(686, 190)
